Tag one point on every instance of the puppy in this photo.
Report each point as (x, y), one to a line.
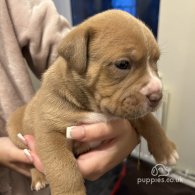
(107, 67)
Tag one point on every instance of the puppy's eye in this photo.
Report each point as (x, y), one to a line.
(123, 64)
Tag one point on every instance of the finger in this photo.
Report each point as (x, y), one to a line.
(22, 138)
(37, 162)
(96, 162)
(19, 156)
(99, 131)
(30, 140)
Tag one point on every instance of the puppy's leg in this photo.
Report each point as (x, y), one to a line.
(14, 126)
(39, 180)
(60, 166)
(163, 150)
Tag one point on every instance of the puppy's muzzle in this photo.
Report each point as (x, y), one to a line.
(153, 90)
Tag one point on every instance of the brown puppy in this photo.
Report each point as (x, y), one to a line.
(107, 67)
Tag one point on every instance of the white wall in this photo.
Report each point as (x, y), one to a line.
(176, 38)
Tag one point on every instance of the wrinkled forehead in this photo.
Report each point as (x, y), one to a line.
(127, 36)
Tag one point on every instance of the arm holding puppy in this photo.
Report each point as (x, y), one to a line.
(13, 157)
(93, 164)
(120, 139)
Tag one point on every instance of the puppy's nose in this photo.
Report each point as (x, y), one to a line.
(154, 98)
(153, 88)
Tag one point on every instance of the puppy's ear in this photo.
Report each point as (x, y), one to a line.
(74, 49)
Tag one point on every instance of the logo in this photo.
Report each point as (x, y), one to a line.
(159, 174)
(160, 170)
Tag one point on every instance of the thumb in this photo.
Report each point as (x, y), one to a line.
(96, 131)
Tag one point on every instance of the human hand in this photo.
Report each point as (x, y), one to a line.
(119, 139)
(13, 157)
(18, 159)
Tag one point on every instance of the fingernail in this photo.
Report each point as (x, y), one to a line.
(21, 137)
(75, 132)
(28, 155)
(68, 132)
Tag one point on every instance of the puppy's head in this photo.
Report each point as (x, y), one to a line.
(116, 55)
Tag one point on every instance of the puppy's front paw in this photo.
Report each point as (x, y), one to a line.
(171, 159)
(39, 180)
(165, 153)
